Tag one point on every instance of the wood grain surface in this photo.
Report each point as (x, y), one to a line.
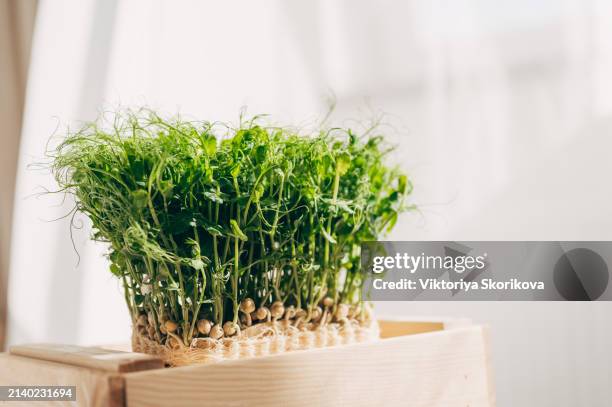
(93, 357)
(446, 364)
(442, 368)
(94, 387)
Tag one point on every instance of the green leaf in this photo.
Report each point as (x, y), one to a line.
(344, 205)
(213, 196)
(328, 237)
(115, 270)
(260, 153)
(343, 163)
(210, 145)
(166, 189)
(237, 232)
(140, 198)
(339, 204)
(214, 230)
(197, 264)
(391, 221)
(258, 192)
(235, 170)
(279, 172)
(402, 180)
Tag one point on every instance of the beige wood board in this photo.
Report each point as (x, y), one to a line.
(92, 357)
(443, 368)
(94, 388)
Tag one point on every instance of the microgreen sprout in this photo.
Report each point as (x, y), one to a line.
(212, 228)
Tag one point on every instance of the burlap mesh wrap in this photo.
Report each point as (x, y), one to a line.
(259, 340)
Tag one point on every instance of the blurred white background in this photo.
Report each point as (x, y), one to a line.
(502, 113)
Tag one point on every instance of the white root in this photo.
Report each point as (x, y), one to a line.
(342, 312)
(323, 319)
(289, 314)
(316, 315)
(203, 343)
(300, 316)
(174, 341)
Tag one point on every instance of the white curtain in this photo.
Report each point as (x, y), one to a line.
(500, 111)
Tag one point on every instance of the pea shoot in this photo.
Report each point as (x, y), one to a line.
(213, 228)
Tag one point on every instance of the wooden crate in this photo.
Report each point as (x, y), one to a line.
(418, 363)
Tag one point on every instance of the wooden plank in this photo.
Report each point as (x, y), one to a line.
(443, 368)
(400, 326)
(92, 357)
(390, 329)
(94, 388)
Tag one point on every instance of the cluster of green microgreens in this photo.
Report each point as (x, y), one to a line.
(211, 226)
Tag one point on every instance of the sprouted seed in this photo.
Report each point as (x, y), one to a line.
(204, 326)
